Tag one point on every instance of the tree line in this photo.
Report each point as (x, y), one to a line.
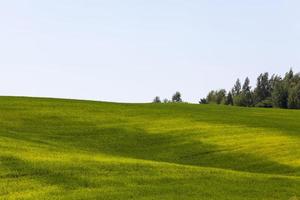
(176, 98)
(269, 91)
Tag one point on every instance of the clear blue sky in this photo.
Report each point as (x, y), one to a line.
(133, 50)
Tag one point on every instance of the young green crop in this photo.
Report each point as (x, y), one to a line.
(68, 149)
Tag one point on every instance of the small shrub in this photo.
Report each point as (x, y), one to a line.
(156, 100)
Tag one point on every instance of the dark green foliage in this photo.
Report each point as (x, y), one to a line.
(292, 84)
(229, 99)
(217, 97)
(289, 76)
(263, 88)
(269, 92)
(156, 100)
(176, 97)
(266, 103)
(211, 97)
(273, 81)
(238, 100)
(294, 97)
(220, 96)
(242, 96)
(280, 95)
(246, 85)
(246, 97)
(236, 90)
(203, 101)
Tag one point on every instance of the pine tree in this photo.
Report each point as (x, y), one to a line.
(246, 95)
(294, 97)
(229, 99)
(263, 88)
(236, 90)
(280, 94)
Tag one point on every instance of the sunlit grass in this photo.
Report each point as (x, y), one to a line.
(63, 149)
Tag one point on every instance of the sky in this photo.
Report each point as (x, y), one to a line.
(134, 50)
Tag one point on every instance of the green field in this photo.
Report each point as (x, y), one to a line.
(68, 149)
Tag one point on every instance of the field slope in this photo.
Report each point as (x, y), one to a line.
(67, 149)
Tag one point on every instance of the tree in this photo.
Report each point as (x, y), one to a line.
(211, 97)
(203, 101)
(217, 96)
(273, 92)
(236, 90)
(229, 99)
(238, 100)
(176, 97)
(246, 95)
(294, 97)
(246, 85)
(289, 75)
(263, 88)
(280, 94)
(156, 100)
(272, 82)
(166, 100)
(220, 96)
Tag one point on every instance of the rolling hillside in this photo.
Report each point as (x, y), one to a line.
(68, 149)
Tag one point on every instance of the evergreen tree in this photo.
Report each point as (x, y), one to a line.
(211, 97)
(246, 85)
(263, 88)
(289, 76)
(280, 94)
(246, 95)
(236, 90)
(220, 96)
(273, 92)
(229, 99)
(203, 101)
(294, 97)
(273, 80)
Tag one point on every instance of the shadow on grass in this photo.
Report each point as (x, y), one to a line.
(40, 171)
(167, 147)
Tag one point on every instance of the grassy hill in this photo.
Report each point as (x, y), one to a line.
(67, 149)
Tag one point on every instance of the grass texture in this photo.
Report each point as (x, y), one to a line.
(70, 149)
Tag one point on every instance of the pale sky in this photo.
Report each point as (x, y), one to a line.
(133, 50)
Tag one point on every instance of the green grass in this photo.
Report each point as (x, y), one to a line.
(67, 149)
